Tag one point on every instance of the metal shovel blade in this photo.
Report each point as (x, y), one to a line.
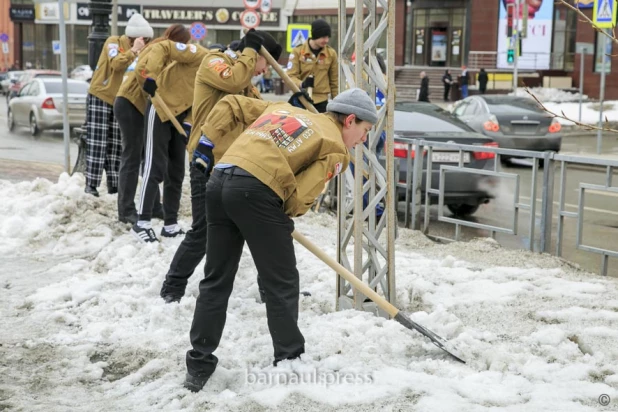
(435, 339)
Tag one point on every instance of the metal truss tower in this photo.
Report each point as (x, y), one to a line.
(366, 241)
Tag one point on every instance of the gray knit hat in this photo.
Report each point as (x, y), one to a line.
(355, 101)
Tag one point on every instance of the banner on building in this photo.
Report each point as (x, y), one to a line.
(125, 11)
(208, 15)
(536, 47)
(21, 12)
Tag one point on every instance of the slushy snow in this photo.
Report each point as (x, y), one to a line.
(83, 327)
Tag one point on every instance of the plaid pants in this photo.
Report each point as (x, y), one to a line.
(103, 144)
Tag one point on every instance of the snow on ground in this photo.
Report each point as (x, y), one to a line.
(83, 327)
(567, 104)
(547, 94)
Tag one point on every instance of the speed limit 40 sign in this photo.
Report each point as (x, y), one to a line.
(252, 4)
(250, 19)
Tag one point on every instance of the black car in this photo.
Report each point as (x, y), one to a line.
(513, 122)
(464, 192)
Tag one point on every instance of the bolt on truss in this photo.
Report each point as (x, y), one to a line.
(368, 236)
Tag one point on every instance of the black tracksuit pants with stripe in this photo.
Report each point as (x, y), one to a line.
(131, 123)
(164, 161)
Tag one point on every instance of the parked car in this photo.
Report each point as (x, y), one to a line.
(39, 105)
(26, 76)
(6, 82)
(513, 122)
(464, 192)
(83, 72)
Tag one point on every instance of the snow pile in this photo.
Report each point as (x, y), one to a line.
(83, 324)
(545, 94)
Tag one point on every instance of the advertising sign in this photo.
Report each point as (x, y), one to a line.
(536, 47)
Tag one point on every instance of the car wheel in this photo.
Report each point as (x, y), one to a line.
(463, 209)
(34, 127)
(10, 121)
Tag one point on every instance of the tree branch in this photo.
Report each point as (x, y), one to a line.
(563, 116)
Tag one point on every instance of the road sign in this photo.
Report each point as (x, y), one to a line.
(56, 46)
(266, 6)
(198, 31)
(250, 19)
(4, 37)
(604, 14)
(5, 48)
(251, 4)
(297, 35)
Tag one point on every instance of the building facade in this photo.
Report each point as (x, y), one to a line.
(428, 33)
(35, 31)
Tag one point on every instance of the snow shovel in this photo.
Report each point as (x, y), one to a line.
(273, 63)
(168, 113)
(379, 300)
(284, 76)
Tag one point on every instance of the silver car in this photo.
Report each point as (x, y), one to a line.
(7, 81)
(39, 105)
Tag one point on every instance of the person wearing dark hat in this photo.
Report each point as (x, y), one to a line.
(103, 143)
(220, 74)
(266, 175)
(313, 66)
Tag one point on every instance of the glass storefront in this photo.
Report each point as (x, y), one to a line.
(436, 37)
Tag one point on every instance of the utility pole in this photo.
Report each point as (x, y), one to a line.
(114, 17)
(604, 61)
(99, 10)
(515, 39)
(581, 81)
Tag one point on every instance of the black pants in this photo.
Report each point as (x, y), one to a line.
(447, 88)
(131, 123)
(193, 246)
(239, 208)
(321, 107)
(164, 158)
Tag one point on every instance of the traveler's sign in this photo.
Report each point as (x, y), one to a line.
(208, 15)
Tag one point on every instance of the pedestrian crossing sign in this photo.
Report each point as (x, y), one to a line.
(297, 35)
(604, 14)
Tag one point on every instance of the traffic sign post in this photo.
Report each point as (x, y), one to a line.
(56, 48)
(604, 14)
(251, 4)
(250, 19)
(198, 31)
(297, 34)
(266, 6)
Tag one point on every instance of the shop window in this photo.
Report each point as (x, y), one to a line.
(602, 51)
(564, 35)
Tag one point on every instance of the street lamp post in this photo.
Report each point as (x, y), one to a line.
(100, 11)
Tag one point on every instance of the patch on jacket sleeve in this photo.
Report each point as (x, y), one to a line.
(193, 48)
(181, 46)
(290, 65)
(291, 56)
(112, 53)
(112, 46)
(338, 167)
(226, 73)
